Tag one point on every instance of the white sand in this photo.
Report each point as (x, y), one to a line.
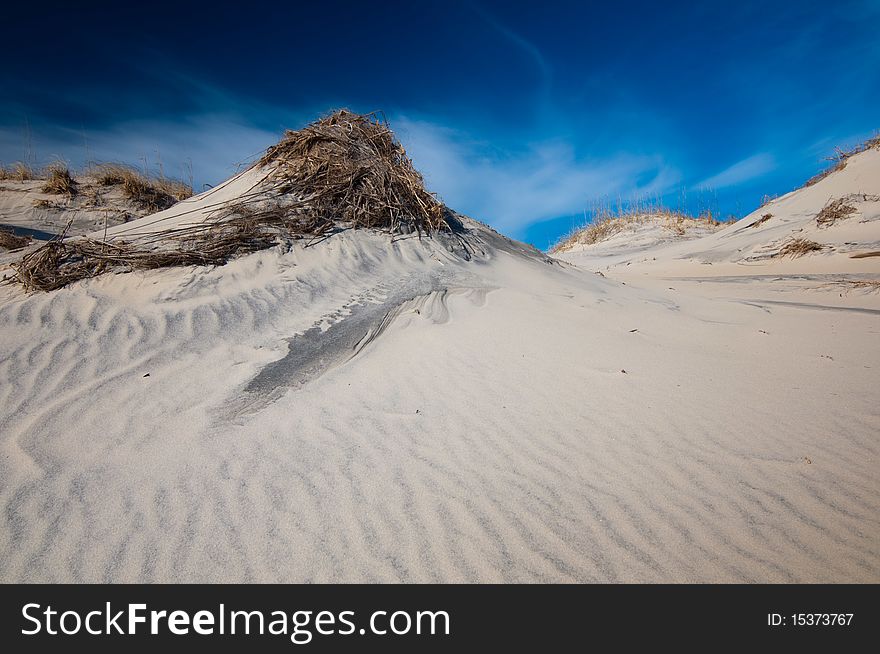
(485, 431)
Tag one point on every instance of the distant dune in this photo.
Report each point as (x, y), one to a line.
(453, 406)
(829, 226)
(636, 230)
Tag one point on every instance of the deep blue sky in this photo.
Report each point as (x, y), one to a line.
(521, 114)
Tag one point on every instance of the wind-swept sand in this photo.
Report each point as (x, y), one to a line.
(362, 410)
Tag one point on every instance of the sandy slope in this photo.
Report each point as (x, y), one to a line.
(362, 410)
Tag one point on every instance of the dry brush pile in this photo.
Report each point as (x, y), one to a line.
(59, 262)
(345, 170)
(834, 211)
(798, 247)
(11, 241)
(350, 168)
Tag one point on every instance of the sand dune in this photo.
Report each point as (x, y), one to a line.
(755, 244)
(369, 409)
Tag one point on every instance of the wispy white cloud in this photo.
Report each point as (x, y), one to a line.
(542, 97)
(511, 190)
(526, 46)
(742, 171)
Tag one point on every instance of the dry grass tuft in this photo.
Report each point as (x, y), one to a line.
(840, 158)
(10, 241)
(143, 194)
(59, 181)
(834, 211)
(798, 247)
(43, 203)
(596, 232)
(19, 172)
(113, 174)
(146, 193)
(174, 188)
(606, 223)
(815, 179)
(763, 219)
